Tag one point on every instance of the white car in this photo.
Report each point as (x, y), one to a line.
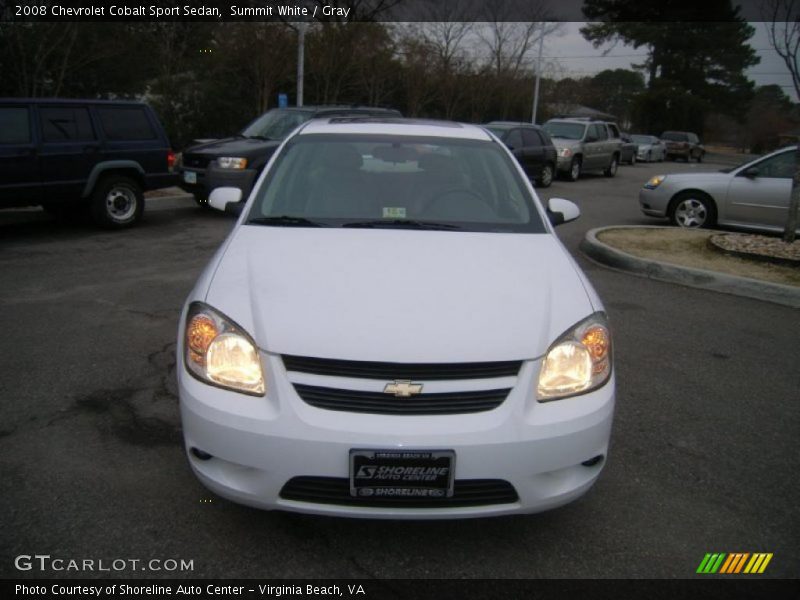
(649, 148)
(393, 330)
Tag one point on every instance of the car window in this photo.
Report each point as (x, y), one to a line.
(14, 125)
(514, 139)
(530, 137)
(781, 166)
(346, 180)
(599, 132)
(614, 130)
(126, 123)
(673, 136)
(567, 131)
(643, 139)
(65, 124)
(276, 124)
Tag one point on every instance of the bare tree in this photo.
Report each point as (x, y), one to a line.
(783, 27)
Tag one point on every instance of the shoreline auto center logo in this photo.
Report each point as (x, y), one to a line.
(734, 563)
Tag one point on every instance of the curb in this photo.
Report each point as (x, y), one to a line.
(698, 278)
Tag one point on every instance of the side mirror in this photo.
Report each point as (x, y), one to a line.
(562, 211)
(226, 199)
(751, 173)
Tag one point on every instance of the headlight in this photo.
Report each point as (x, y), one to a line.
(565, 152)
(655, 182)
(219, 352)
(232, 162)
(579, 361)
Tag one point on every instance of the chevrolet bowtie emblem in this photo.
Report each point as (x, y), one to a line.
(402, 389)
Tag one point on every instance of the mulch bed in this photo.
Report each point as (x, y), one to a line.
(759, 247)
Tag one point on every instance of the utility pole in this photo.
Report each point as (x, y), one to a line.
(538, 77)
(301, 48)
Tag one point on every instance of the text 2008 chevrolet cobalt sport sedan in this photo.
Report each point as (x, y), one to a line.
(392, 329)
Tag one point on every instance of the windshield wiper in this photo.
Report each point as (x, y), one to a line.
(258, 137)
(400, 224)
(285, 221)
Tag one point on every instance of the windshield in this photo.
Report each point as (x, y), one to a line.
(643, 139)
(569, 131)
(673, 136)
(276, 124)
(377, 181)
(498, 131)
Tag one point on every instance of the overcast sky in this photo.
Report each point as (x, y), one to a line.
(570, 54)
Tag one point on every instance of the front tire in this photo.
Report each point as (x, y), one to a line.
(546, 176)
(692, 210)
(117, 202)
(574, 169)
(700, 157)
(611, 170)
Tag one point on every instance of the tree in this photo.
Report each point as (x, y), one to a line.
(615, 91)
(703, 62)
(784, 35)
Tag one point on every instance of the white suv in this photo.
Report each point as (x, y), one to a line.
(392, 329)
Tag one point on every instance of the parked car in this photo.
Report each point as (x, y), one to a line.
(237, 161)
(393, 330)
(67, 155)
(649, 148)
(629, 150)
(754, 195)
(683, 144)
(531, 146)
(584, 145)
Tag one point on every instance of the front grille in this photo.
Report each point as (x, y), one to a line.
(391, 371)
(197, 161)
(447, 403)
(336, 490)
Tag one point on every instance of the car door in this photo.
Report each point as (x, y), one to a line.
(533, 151)
(19, 163)
(595, 147)
(69, 150)
(762, 198)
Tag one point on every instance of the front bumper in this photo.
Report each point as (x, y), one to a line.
(193, 181)
(564, 164)
(243, 179)
(653, 203)
(257, 445)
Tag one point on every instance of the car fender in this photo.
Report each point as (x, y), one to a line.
(109, 165)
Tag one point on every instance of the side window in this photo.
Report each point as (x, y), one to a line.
(693, 138)
(614, 131)
(514, 139)
(66, 124)
(125, 123)
(530, 137)
(15, 127)
(599, 132)
(781, 166)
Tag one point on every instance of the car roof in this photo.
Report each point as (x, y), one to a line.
(341, 108)
(69, 101)
(394, 126)
(510, 124)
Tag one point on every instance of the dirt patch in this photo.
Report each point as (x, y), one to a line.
(762, 247)
(690, 248)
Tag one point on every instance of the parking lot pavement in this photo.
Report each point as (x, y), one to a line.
(703, 451)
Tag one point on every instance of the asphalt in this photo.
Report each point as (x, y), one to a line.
(703, 455)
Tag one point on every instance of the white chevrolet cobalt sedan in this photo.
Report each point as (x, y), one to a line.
(392, 329)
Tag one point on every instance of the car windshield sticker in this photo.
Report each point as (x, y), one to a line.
(394, 212)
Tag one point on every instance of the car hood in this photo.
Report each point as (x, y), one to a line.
(705, 177)
(398, 295)
(565, 143)
(234, 146)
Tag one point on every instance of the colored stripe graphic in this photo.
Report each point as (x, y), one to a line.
(734, 563)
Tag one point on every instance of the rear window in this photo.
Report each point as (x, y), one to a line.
(125, 123)
(67, 124)
(15, 125)
(375, 180)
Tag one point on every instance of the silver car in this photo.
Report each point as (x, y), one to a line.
(650, 148)
(584, 144)
(754, 195)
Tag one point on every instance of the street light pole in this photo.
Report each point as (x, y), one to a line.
(301, 46)
(538, 77)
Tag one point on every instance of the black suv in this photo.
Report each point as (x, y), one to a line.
(237, 161)
(532, 147)
(86, 153)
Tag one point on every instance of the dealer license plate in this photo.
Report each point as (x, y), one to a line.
(402, 473)
(190, 177)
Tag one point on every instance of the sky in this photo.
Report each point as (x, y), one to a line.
(569, 54)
